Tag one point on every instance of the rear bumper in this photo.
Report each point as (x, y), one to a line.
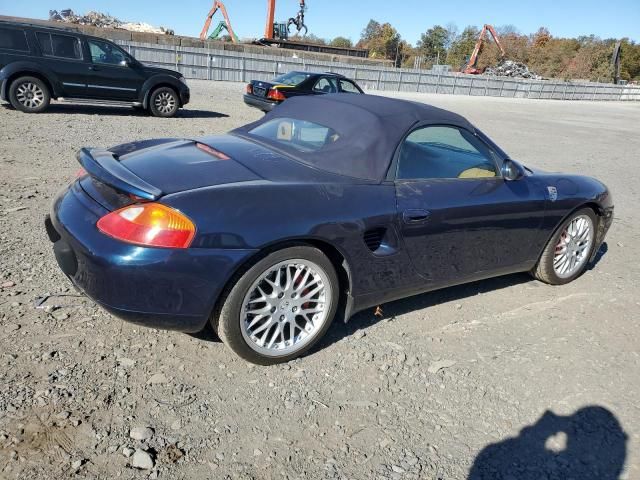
(260, 103)
(171, 289)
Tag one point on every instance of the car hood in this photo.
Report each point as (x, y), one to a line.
(158, 70)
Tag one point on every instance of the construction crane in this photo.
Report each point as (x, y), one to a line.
(223, 25)
(470, 67)
(281, 30)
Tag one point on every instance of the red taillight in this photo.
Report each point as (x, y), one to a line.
(81, 173)
(249, 89)
(275, 94)
(151, 224)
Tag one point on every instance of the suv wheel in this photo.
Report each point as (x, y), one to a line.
(29, 94)
(164, 102)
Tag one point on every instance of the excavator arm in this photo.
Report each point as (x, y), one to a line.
(470, 67)
(218, 6)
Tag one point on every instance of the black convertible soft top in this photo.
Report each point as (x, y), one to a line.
(370, 129)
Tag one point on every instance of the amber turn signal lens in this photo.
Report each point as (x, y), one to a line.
(149, 224)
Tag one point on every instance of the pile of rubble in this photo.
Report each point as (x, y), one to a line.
(102, 20)
(510, 68)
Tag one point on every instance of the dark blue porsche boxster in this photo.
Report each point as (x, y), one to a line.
(326, 206)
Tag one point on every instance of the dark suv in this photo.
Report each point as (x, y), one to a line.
(38, 63)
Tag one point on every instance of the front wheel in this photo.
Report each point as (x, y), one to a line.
(567, 254)
(280, 307)
(164, 102)
(29, 95)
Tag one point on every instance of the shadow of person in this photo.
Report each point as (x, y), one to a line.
(588, 445)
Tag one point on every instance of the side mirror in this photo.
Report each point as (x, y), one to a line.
(512, 170)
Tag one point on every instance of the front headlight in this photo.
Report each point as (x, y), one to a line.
(183, 80)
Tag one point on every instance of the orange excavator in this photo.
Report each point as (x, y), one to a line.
(280, 30)
(226, 24)
(470, 67)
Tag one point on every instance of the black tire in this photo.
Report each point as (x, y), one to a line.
(227, 321)
(544, 270)
(29, 95)
(164, 102)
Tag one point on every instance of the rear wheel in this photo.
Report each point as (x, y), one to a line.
(280, 307)
(567, 254)
(29, 94)
(164, 102)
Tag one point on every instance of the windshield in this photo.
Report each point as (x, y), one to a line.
(300, 135)
(292, 78)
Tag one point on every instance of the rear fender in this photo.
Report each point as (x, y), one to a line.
(22, 68)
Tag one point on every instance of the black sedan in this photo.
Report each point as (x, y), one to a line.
(326, 206)
(266, 95)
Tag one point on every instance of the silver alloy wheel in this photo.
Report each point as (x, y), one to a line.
(573, 246)
(30, 95)
(285, 307)
(165, 102)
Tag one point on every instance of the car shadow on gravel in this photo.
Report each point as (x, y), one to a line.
(70, 109)
(590, 444)
(389, 311)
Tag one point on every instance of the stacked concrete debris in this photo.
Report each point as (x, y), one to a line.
(101, 20)
(509, 68)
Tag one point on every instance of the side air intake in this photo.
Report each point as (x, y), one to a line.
(373, 238)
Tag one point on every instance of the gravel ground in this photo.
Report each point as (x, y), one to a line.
(506, 375)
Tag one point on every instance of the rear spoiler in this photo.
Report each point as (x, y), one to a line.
(105, 166)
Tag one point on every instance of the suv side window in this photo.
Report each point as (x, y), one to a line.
(105, 53)
(444, 152)
(63, 46)
(13, 39)
(326, 85)
(348, 87)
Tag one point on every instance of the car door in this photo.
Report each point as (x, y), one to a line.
(62, 54)
(326, 85)
(114, 74)
(458, 217)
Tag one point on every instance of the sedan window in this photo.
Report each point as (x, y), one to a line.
(326, 85)
(348, 87)
(292, 78)
(106, 53)
(443, 152)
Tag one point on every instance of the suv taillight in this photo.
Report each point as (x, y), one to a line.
(249, 89)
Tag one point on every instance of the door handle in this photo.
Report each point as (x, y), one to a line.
(94, 68)
(414, 216)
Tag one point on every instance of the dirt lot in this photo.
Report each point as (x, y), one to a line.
(419, 393)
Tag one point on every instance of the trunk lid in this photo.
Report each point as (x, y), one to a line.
(154, 168)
